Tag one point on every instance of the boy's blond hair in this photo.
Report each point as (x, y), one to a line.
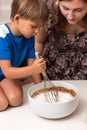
(35, 10)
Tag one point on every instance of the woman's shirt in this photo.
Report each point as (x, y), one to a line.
(66, 56)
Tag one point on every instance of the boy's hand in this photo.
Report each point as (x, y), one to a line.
(39, 65)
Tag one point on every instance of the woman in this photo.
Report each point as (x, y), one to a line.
(66, 48)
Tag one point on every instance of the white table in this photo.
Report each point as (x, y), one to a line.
(22, 118)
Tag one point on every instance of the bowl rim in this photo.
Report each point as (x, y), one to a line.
(54, 81)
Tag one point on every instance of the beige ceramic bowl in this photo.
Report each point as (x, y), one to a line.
(53, 110)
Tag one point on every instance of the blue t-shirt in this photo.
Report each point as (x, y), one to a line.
(14, 48)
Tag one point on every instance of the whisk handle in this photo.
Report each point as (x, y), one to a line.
(37, 55)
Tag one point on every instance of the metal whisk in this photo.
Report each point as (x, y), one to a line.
(51, 94)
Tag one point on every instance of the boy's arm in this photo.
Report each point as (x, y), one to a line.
(36, 77)
(11, 72)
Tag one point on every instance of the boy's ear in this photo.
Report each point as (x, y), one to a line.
(17, 17)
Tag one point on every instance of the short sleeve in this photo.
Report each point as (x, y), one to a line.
(4, 50)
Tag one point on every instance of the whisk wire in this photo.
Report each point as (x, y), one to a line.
(51, 95)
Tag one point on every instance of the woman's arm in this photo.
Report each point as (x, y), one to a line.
(40, 40)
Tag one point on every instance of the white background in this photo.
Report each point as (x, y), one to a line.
(5, 6)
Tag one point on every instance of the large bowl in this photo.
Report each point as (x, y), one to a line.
(53, 110)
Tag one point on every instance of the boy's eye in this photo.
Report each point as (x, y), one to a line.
(39, 26)
(34, 26)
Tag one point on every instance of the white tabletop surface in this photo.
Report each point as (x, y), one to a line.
(22, 118)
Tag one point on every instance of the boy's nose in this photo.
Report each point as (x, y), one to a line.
(37, 30)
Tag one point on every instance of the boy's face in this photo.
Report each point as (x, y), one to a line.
(27, 27)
